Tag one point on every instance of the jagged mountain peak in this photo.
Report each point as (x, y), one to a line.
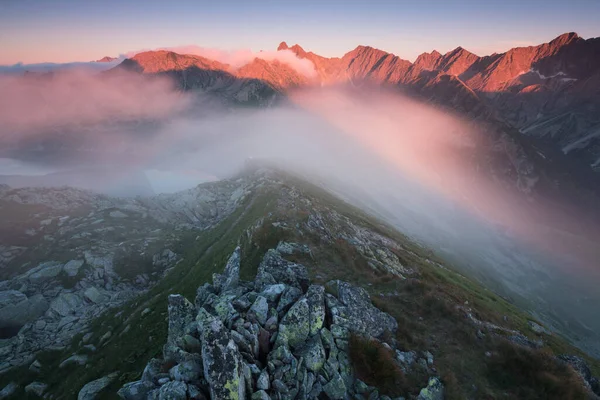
(565, 38)
(282, 46)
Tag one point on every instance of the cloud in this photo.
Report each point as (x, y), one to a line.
(239, 58)
(20, 68)
(42, 103)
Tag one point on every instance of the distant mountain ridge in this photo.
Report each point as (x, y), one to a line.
(549, 92)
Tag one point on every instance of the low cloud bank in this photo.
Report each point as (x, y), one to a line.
(405, 161)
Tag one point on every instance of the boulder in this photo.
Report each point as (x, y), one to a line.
(94, 295)
(231, 275)
(72, 267)
(313, 353)
(174, 390)
(260, 309)
(222, 362)
(275, 269)
(316, 303)
(45, 271)
(16, 309)
(182, 316)
(80, 359)
(295, 325)
(187, 371)
(66, 303)
(358, 313)
(137, 390)
(91, 389)
(335, 388)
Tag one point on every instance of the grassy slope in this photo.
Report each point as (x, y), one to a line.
(425, 306)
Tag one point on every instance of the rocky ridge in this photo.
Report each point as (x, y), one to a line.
(275, 337)
(80, 254)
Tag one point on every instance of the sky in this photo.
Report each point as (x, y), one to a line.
(36, 31)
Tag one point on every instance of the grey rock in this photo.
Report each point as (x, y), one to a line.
(8, 390)
(280, 387)
(80, 359)
(94, 295)
(263, 382)
(91, 389)
(291, 248)
(360, 314)
(187, 371)
(260, 309)
(16, 309)
(274, 269)
(316, 303)
(174, 390)
(182, 314)
(36, 367)
(152, 369)
(260, 395)
(194, 393)
(583, 370)
(273, 292)
(336, 388)
(231, 274)
(288, 297)
(222, 362)
(65, 304)
(72, 267)
(36, 388)
(202, 294)
(313, 353)
(537, 328)
(295, 325)
(137, 390)
(45, 271)
(433, 391)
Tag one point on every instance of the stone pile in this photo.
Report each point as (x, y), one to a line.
(277, 337)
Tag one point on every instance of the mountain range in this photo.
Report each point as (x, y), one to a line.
(549, 93)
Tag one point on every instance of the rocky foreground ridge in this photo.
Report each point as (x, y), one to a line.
(275, 337)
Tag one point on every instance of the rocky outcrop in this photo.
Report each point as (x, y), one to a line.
(275, 337)
(46, 303)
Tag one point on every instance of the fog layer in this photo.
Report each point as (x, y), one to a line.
(408, 163)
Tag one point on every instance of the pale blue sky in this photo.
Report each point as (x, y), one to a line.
(34, 31)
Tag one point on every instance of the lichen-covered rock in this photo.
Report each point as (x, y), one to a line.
(260, 310)
(174, 390)
(316, 303)
(137, 390)
(222, 362)
(187, 371)
(273, 292)
(433, 391)
(275, 269)
(295, 325)
(231, 275)
(313, 353)
(335, 388)
(359, 314)
(182, 315)
(288, 297)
